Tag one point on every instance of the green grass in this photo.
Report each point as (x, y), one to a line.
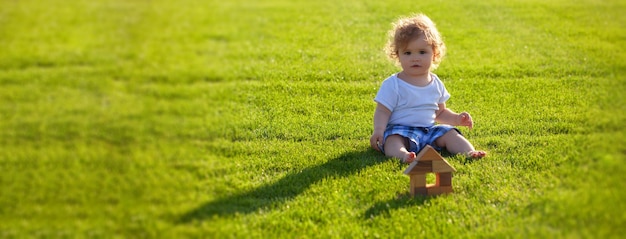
(217, 119)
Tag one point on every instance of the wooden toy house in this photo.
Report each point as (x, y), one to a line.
(428, 160)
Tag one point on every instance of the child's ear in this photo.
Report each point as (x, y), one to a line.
(435, 54)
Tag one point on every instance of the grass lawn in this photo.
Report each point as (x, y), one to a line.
(251, 119)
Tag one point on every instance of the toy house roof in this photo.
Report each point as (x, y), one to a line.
(429, 161)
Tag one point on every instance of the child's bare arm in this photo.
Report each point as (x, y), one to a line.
(447, 116)
(381, 118)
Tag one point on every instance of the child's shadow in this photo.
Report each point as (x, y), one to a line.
(271, 195)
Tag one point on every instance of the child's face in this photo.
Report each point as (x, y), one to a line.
(417, 57)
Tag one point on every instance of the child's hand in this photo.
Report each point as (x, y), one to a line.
(376, 140)
(466, 120)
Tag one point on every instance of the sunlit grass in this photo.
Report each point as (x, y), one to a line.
(252, 119)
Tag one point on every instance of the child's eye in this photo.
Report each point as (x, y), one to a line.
(422, 52)
(407, 53)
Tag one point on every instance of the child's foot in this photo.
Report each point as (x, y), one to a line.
(475, 154)
(409, 157)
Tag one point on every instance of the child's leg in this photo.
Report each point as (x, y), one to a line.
(396, 146)
(457, 144)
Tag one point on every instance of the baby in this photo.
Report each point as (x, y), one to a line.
(410, 102)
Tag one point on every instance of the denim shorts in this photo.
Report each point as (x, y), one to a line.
(419, 137)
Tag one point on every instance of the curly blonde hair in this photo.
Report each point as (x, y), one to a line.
(407, 29)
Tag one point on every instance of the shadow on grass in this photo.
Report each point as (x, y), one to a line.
(403, 200)
(271, 195)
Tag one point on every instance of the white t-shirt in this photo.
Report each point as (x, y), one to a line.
(412, 105)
